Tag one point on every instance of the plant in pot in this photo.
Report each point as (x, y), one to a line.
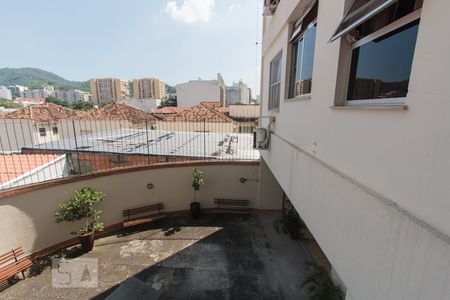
(319, 284)
(197, 181)
(82, 206)
(294, 224)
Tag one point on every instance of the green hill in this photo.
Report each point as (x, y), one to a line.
(36, 78)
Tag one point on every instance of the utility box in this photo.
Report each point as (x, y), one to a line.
(260, 138)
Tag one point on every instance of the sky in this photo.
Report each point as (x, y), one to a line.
(174, 40)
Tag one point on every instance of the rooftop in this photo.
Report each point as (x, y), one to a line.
(47, 112)
(205, 111)
(121, 111)
(166, 143)
(13, 166)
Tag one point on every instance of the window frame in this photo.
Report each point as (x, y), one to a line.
(274, 104)
(398, 101)
(42, 131)
(296, 37)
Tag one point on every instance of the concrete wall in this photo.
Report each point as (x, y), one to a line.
(197, 126)
(194, 92)
(371, 184)
(27, 219)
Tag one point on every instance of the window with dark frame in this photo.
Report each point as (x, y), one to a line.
(275, 82)
(55, 130)
(302, 44)
(383, 35)
(42, 131)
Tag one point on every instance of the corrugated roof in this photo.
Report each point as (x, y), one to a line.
(16, 165)
(201, 112)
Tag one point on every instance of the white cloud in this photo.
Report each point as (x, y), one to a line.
(190, 11)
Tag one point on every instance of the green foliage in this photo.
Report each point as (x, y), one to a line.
(52, 99)
(171, 101)
(320, 286)
(170, 89)
(83, 106)
(197, 179)
(36, 78)
(7, 103)
(290, 223)
(82, 206)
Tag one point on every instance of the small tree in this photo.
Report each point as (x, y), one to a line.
(82, 206)
(197, 180)
(320, 286)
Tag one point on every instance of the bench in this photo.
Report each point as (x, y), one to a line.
(154, 209)
(232, 206)
(11, 264)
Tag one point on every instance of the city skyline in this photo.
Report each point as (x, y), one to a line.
(110, 44)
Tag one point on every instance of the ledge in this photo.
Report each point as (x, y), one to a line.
(299, 98)
(371, 107)
(51, 183)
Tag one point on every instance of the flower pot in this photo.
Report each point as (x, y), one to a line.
(195, 210)
(87, 241)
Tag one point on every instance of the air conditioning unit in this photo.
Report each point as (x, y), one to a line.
(270, 6)
(260, 138)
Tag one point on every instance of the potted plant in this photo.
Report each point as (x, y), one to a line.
(82, 206)
(319, 284)
(197, 181)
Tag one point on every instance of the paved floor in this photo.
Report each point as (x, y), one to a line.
(215, 257)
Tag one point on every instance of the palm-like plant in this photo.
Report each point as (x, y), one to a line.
(320, 286)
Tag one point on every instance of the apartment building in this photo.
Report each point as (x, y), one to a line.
(106, 90)
(238, 93)
(16, 90)
(72, 96)
(355, 95)
(5, 93)
(43, 92)
(194, 92)
(149, 88)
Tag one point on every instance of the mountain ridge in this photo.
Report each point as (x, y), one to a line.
(36, 78)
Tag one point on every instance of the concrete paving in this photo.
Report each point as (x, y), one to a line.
(215, 257)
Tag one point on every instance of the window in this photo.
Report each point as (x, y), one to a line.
(275, 82)
(55, 130)
(42, 131)
(382, 49)
(303, 42)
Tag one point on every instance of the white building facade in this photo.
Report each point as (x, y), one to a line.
(16, 90)
(5, 93)
(355, 94)
(43, 92)
(72, 96)
(238, 93)
(196, 91)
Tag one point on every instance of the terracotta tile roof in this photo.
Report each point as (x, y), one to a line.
(16, 165)
(213, 103)
(121, 111)
(201, 112)
(168, 110)
(223, 109)
(47, 112)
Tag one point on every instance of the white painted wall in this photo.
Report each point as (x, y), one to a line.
(194, 92)
(27, 220)
(372, 185)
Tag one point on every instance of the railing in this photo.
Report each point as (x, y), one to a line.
(32, 151)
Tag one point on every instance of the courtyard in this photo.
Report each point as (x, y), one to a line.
(214, 257)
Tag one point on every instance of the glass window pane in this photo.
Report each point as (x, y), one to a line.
(298, 66)
(381, 68)
(360, 11)
(308, 60)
